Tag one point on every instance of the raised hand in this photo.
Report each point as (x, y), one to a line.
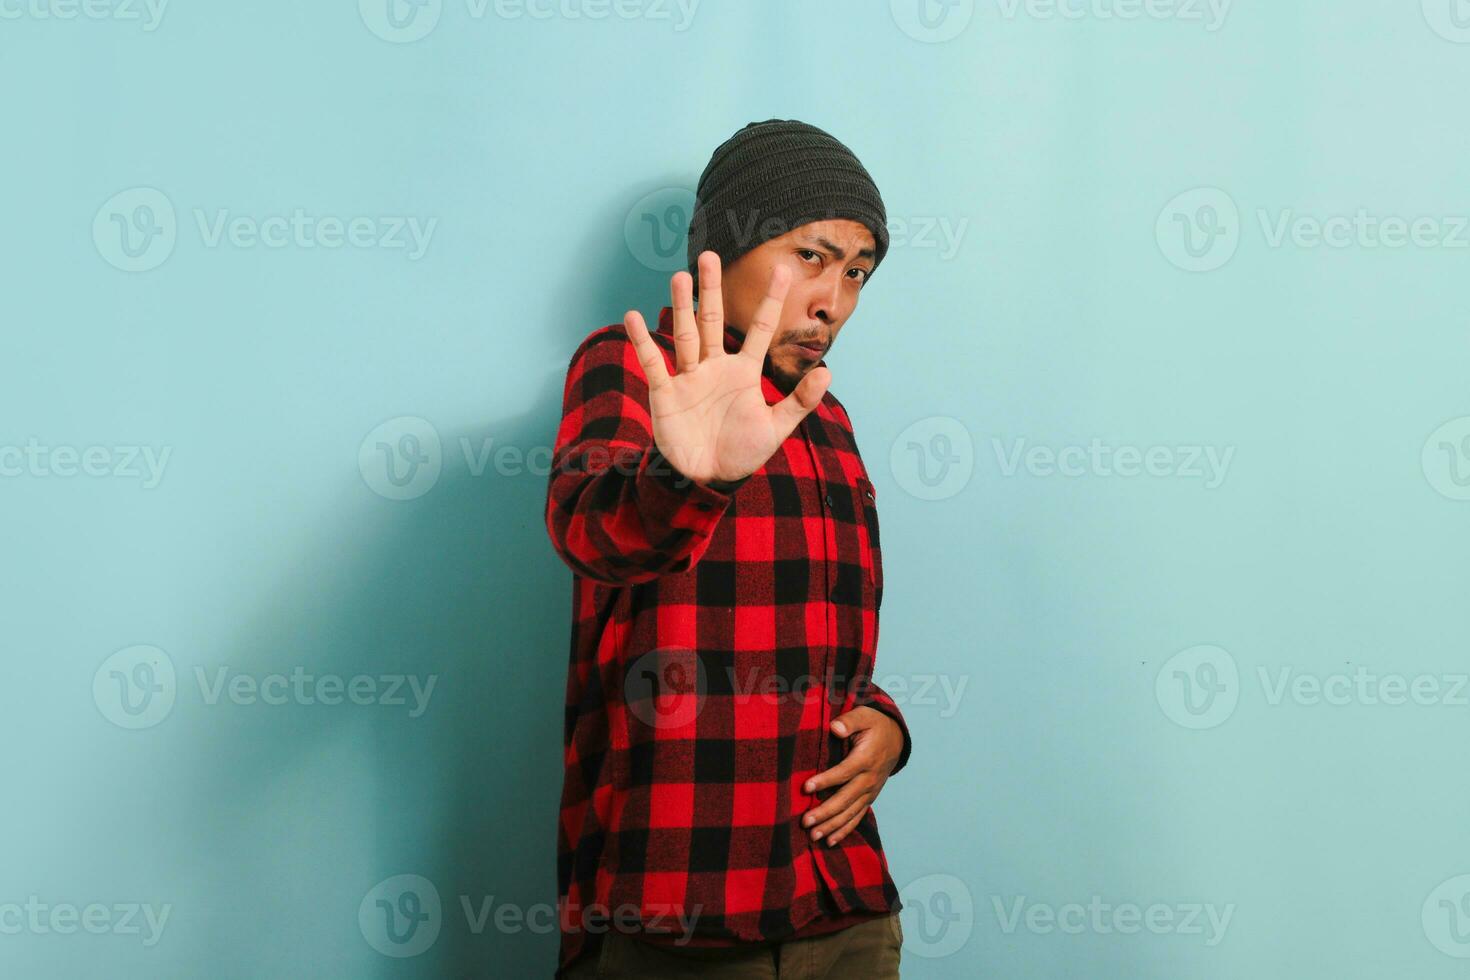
(710, 418)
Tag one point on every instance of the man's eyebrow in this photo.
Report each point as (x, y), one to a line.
(863, 253)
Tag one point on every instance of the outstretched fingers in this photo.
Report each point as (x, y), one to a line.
(711, 305)
(686, 335)
(649, 356)
(767, 316)
(787, 414)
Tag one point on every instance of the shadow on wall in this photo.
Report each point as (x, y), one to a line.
(304, 811)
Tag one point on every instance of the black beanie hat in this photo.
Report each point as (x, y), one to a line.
(773, 176)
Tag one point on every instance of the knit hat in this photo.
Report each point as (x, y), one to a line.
(772, 177)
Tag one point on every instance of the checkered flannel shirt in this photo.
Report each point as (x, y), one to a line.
(715, 636)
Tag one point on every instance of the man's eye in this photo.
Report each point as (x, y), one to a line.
(805, 252)
(863, 271)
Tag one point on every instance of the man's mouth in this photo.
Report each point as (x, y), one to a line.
(811, 349)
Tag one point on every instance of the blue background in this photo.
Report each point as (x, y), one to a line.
(1112, 189)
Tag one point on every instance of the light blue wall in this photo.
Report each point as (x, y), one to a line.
(1039, 295)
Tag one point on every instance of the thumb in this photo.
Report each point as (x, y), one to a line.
(853, 721)
(789, 411)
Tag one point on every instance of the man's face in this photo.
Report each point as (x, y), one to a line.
(829, 261)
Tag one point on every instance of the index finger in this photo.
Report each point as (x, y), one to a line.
(841, 773)
(767, 316)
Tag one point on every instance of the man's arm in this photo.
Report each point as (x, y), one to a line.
(617, 510)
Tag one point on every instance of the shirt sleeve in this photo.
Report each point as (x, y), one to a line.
(617, 510)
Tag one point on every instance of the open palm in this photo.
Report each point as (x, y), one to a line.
(710, 418)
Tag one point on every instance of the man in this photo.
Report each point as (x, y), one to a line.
(724, 740)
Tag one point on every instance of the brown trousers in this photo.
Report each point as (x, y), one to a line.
(866, 951)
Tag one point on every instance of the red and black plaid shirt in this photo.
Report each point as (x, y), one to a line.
(707, 627)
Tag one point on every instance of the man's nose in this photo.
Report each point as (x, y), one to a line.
(826, 299)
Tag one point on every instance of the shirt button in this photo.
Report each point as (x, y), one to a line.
(828, 498)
